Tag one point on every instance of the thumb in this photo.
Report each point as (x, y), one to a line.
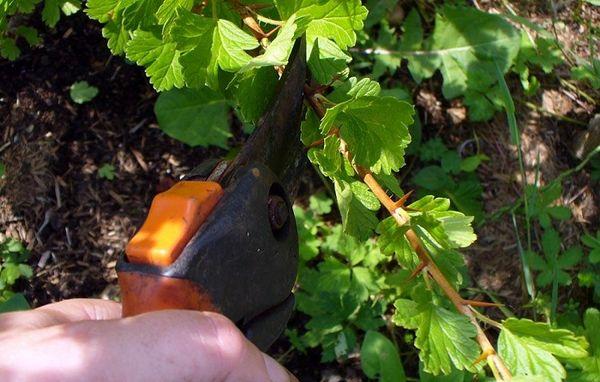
(170, 345)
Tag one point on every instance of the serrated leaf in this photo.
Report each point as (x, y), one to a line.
(379, 358)
(470, 41)
(358, 220)
(8, 49)
(445, 338)
(116, 34)
(101, 10)
(435, 224)
(139, 13)
(255, 90)
(560, 342)
(326, 60)
(529, 348)
(334, 19)
(160, 59)
(329, 158)
(195, 117)
(278, 51)
(107, 171)
(51, 12)
(168, 9)
(229, 47)
(194, 35)
(392, 241)
(375, 129)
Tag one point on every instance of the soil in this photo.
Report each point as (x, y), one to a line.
(76, 223)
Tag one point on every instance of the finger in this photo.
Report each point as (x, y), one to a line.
(159, 346)
(60, 313)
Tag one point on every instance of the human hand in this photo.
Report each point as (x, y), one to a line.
(87, 340)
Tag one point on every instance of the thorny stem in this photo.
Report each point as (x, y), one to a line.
(499, 369)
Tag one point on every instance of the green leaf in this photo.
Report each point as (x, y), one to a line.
(333, 19)
(375, 129)
(228, 48)
(2, 170)
(160, 59)
(589, 72)
(529, 348)
(107, 171)
(329, 158)
(392, 241)
(51, 12)
(326, 60)
(195, 117)
(140, 13)
(278, 51)
(116, 34)
(379, 358)
(194, 36)
(168, 9)
(357, 219)
(101, 10)
(420, 67)
(471, 163)
(29, 34)
(589, 366)
(594, 244)
(467, 40)
(433, 178)
(320, 204)
(255, 91)
(8, 49)
(445, 339)
(82, 92)
(15, 303)
(70, 7)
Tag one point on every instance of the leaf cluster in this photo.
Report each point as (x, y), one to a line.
(13, 32)
(13, 266)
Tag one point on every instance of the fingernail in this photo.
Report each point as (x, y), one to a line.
(277, 373)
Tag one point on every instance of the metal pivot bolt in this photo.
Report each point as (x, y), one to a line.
(278, 212)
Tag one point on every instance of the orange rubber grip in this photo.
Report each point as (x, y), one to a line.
(174, 217)
(141, 293)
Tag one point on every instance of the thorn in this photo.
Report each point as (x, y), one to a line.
(402, 200)
(484, 355)
(417, 270)
(482, 304)
(315, 144)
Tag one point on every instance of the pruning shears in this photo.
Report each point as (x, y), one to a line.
(224, 238)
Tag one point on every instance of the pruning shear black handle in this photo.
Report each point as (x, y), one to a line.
(224, 239)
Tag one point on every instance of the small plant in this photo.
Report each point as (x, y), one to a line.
(13, 266)
(107, 171)
(451, 176)
(12, 15)
(82, 92)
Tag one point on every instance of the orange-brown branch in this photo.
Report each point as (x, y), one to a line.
(400, 215)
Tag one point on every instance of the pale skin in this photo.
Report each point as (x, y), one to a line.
(87, 340)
